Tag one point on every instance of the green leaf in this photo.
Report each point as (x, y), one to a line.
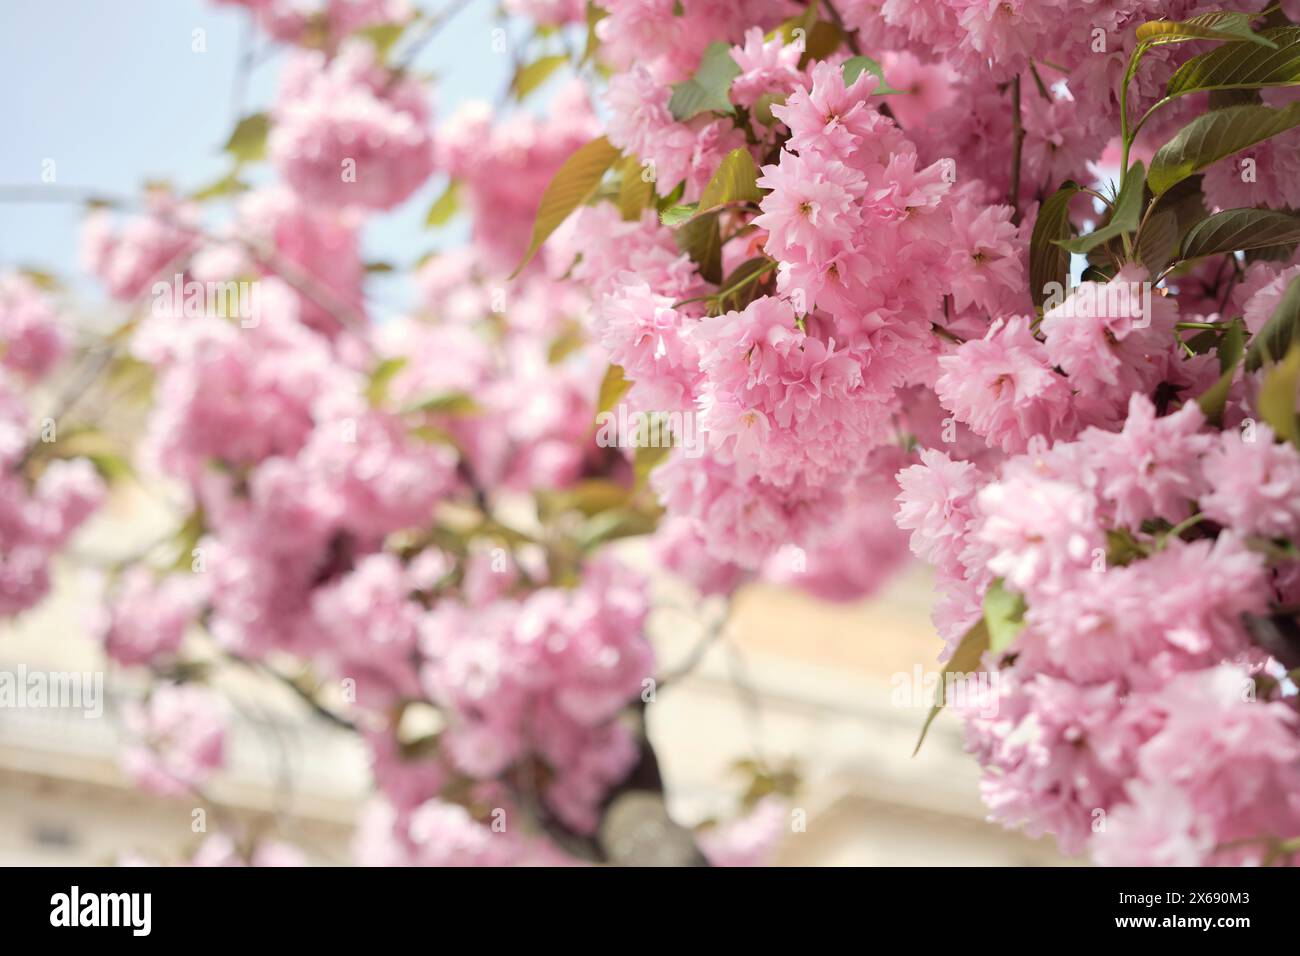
(383, 36)
(762, 110)
(590, 497)
(1213, 136)
(377, 387)
(823, 39)
(1158, 240)
(676, 215)
(228, 185)
(1124, 217)
(248, 141)
(1243, 65)
(734, 181)
(635, 193)
(707, 90)
(964, 660)
(1220, 25)
(854, 67)
(1232, 345)
(1280, 333)
(530, 77)
(701, 239)
(1004, 616)
(445, 206)
(594, 15)
(1048, 262)
(645, 459)
(447, 403)
(1277, 396)
(1175, 213)
(741, 287)
(1235, 230)
(612, 387)
(573, 185)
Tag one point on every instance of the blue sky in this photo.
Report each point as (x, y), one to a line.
(113, 93)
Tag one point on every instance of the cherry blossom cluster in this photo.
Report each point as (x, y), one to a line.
(405, 520)
(44, 496)
(1096, 487)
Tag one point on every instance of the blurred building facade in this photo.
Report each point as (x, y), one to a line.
(790, 682)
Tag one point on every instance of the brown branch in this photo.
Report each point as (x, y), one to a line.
(1017, 147)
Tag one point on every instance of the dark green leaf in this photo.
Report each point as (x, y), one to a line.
(1124, 217)
(1048, 262)
(1243, 65)
(1235, 230)
(701, 239)
(1213, 136)
(1158, 240)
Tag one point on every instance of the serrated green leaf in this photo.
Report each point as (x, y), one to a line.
(1277, 395)
(707, 90)
(965, 660)
(1048, 262)
(247, 142)
(1213, 136)
(1124, 217)
(1236, 230)
(573, 185)
(1280, 333)
(854, 67)
(1242, 65)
